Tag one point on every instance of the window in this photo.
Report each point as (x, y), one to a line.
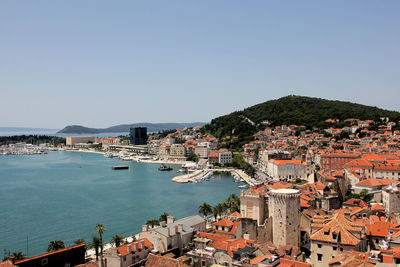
(203, 263)
(319, 245)
(341, 249)
(334, 248)
(44, 261)
(319, 257)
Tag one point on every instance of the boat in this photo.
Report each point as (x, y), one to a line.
(123, 154)
(243, 186)
(120, 167)
(165, 168)
(207, 176)
(108, 155)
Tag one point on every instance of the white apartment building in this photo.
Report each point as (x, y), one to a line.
(224, 156)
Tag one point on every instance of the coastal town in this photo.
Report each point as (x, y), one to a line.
(326, 197)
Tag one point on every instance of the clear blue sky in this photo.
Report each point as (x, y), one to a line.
(101, 63)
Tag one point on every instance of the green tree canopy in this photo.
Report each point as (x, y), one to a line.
(55, 245)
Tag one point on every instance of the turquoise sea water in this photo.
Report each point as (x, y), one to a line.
(62, 195)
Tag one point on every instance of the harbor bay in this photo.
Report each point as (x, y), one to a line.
(63, 195)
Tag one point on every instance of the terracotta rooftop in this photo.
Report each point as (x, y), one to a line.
(340, 226)
(7, 263)
(356, 203)
(123, 250)
(224, 222)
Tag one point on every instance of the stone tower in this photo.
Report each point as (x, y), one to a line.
(284, 208)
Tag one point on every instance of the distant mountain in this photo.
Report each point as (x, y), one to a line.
(27, 129)
(300, 110)
(151, 127)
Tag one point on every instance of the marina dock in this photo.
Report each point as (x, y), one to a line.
(198, 174)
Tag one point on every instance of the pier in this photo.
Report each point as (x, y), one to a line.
(196, 174)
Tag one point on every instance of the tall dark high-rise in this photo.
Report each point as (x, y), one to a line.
(138, 135)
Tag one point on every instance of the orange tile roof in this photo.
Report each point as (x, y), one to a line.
(161, 261)
(232, 230)
(377, 206)
(376, 182)
(356, 203)
(380, 228)
(340, 225)
(258, 259)
(358, 163)
(236, 214)
(225, 242)
(7, 263)
(283, 262)
(284, 162)
(225, 222)
(123, 250)
(280, 185)
(352, 259)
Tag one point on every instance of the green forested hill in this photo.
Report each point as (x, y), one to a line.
(300, 110)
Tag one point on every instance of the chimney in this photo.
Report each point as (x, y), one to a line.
(170, 219)
(176, 229)
(180, 228)
(168, 231)
(142, 244)
(162, 224)
(129, 248)
(135, 245)
(145, 228)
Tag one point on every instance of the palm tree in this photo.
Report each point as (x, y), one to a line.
(205, 209)
(218, 210)
(163, 217)
(100, 228)
(152, 222)
(18, 256)
(117, 240)
(55, 245)
(232, 203)
(96, 244)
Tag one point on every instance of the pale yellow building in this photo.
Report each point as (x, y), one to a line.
(72, 140)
